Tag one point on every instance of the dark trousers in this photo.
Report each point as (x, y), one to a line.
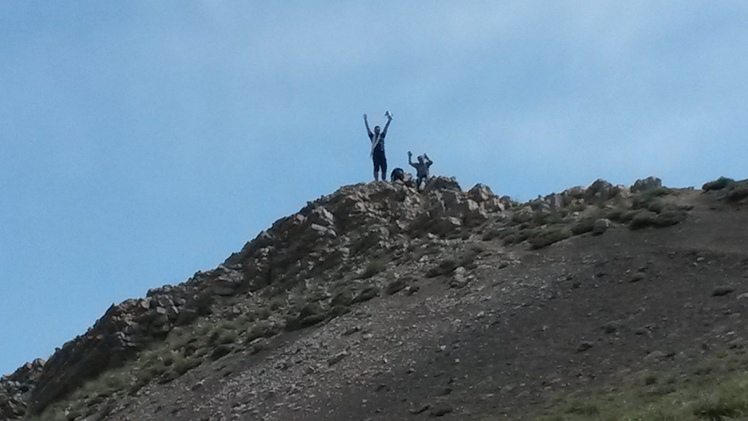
(380, 162)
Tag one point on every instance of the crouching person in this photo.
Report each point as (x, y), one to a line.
(422, 169)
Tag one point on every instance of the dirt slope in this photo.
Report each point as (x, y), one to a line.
(510, 333)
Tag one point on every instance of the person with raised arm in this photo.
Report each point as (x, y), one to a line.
(377, 147)
(422, 168)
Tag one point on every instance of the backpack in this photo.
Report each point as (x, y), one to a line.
(397, 174)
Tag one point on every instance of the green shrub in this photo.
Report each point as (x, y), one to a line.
(520, 235)
(670, 217)
(366, 294)
(643, 219)
(583, 408)
(721, 407)
(395, 286)
(444, 267)
(310, 314)
(263, 329)
(227, 337)
(491, 233)
(548, 236)
(343, 298)
(718, 184)
(339, 311)
(656, 206)
(220, 351)
(737, 193)
(467, 260)
(582, 226)
(373, 267)
(300, 322)
(617, 214)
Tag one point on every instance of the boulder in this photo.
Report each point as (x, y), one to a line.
(442, 183)
(600, 191)
(523, 215)
(644, 184)
(574, 193)
(322, 216)
(480, 193)
(226, 281)
(600, 226)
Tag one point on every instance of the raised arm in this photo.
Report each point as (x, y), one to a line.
(428, 160)
(410, 159)
(389, 120)
(366, 122)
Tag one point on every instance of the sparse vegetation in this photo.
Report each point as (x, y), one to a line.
(583, 226)
(718, 390)
(261, 329)
(670, 217)
(395, 286)
(442, 268)
(374, 267)
(366, 294)
(549, 235)
(643, 219)
(718, 184)
(737, 193)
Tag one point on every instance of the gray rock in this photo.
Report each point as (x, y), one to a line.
(480, 193)
(722, 291)
(459, 278)
(337, 358)
(440, 410)
(584, 346)
(644, 184)
(637, 276)
(600, 226)
(600, 191)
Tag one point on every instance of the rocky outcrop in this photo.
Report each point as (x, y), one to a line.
(344, 226)
(15, 389)
(727, 189)
(114, 338)
(644, 184)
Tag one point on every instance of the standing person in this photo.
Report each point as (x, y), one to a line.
(377, 147)
(422, 168)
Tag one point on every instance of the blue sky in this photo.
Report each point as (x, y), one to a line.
(143, 141)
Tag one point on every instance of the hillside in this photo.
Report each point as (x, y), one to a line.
(379, 302)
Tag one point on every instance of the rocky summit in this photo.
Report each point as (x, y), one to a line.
(380, 302)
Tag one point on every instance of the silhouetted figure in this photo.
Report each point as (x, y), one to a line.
(422, 168)
(377, 147)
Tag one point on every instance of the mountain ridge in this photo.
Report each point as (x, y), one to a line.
(320, 267)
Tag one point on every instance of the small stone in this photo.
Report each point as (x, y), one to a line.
(722, 291)
(336, 358)
(584, 346)
(419, 409)
(638, 276)
(610, 327)
(440, 411)
(351, 330)
(655, 355)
